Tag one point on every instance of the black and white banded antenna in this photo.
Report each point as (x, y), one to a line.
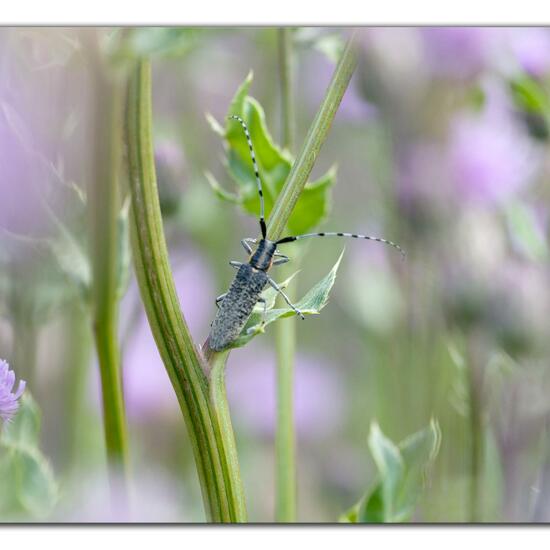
(334, 234)
(256, 173)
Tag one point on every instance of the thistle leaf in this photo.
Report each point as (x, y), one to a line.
(402, 473)
(29, 489)
(311, 304)
(274, 164)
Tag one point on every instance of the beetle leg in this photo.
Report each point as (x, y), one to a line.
(246, 244)
(282, 260)
(287, 299)
(236, 265)
(264, 314)
(220, 298)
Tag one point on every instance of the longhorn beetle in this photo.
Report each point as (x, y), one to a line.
(236, 305)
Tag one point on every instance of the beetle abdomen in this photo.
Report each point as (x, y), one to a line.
(236, 307)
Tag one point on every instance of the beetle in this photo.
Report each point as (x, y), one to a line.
(237, 304)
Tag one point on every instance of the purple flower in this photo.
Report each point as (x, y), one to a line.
(421, 169)
(489, 156)
(314, 80)
(155, 497)
(147, 388)
(457, 52)
(9, 400)
(531, 47)
(251, 384)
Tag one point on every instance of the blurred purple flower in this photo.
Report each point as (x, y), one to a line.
(147, 388)
(155, 497)
(314, 80)
(421, 169)
(170, 165)
(168, 153)
(21, 207)
(9, 401)
(318, 396)
(489, 156)
(457, 52)
(531, 47)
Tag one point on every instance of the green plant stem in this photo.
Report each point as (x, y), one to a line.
(476, 436)
(285, 331)
(76, 362)
(283, 207)
(104, 204)
(285, 438)
(198, 385)
(315, 138)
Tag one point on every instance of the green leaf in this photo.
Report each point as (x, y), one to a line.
(162, 41)
(71, 258)
(526, 232)
(24, 429)
(532, 102)
(29, 489)
(329, 44)
(529, 95)
(311, 304)
(391, 469)
(351, 515)
(274, 164)
(402, 474)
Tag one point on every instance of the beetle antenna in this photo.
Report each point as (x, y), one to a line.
(256, 173)
(352, 235)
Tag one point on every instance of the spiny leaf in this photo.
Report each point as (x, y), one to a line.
(28, 485)
(24, 428)
(391, 468)
(402, 472)
(71, 257)
(274, 164)
(311, 304)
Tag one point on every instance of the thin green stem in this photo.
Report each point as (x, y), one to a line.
(283, 207)
(315, 138)
(104, 204)
(201, 398)
(285, 343)
(76, 361)
(285, 439)
(476, 437)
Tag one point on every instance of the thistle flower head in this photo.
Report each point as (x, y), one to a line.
(9, 401)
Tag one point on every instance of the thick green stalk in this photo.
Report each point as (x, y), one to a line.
(198, 386)
(315, 138)
(104, 204)
(285, 343)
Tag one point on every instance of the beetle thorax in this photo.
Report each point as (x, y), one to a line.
(263, 255)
